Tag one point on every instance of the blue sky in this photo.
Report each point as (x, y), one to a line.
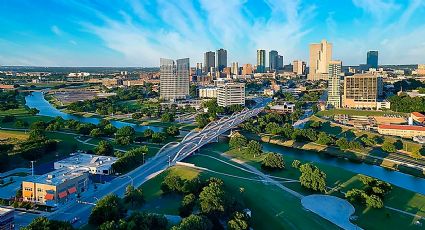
(139, 32)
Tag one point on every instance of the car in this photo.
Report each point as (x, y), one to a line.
(74, 220)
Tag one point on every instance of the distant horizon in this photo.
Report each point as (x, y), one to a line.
(137, 33)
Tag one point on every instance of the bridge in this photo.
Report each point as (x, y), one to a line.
(177, 151)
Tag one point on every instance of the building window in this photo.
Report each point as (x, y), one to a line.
(39, 190)
(28, 189)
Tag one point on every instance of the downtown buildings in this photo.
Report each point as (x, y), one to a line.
(372, 59)
(231, 94)
(320, 56)
(174, 79)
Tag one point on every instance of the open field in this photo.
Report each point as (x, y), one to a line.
(8, 134)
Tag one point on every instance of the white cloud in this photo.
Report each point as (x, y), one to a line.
(379, 9)
(56, 30)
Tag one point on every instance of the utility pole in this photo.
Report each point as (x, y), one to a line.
(169, 161)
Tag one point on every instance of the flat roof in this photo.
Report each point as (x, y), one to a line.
(58, 176)
(403, 127)
(83, 160)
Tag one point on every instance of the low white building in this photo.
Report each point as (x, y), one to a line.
(208, 92)
(383, 105)
(231, 94)
(285, 108)
(94, 164)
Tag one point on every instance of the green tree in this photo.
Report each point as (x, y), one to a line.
(125, 135)
(273, 161)
(254, 148)
(158, 137)
(187, 204)
(173, 131)
(133, 196)
(148, 133)
(42, 223)
(108, 208)
(37, 134)
(343, 143)
(237, 141)
(324, 139)
(167, 117)
(212, 199)
(97, 132)
(296, 164)
(239, 221)
(312, 178)
(104, 148)
(388, 147)
(374, 201)
(202, 120)
(194, 222)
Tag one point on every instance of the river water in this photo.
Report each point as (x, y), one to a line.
(415, 184)
(399, 179)
(36, 100)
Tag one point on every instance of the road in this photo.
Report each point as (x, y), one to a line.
(167, 156)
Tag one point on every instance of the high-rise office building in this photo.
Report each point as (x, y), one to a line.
(174, 79)
(298, 67)
(235, 68)
(221, 61)
(273, 60)
(279, 62)
(320, 56)
(261, 61)
(198, 71)
(231, 94)
(361, 91)
(247, 69)
(209, 61)
(372, 59)
(334, 84)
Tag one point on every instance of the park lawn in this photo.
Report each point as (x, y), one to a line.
(281, 209)
(18, 135)
(156, 201)
(354, 112)
(399, 198)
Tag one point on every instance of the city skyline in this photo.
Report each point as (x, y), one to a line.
(137, 33)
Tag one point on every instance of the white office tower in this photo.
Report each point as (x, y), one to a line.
(231, 94)
(174, 79)
(334, 84)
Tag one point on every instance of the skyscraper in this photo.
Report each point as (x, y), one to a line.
(174, 79)
(221, 62)
(279, 62)
(273, 60)
(298, 67)
(320, 56)
(372, 59)
(334, 84)
(247, 69)
(261, 61)
(209, 61)
(235, 68)
(198, 69)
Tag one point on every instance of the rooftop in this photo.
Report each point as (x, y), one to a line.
(83, 160)
(417, 114)
(59, 176)
(5, 211)
(403, 127)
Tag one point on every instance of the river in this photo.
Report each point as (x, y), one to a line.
(415, 184)
(37, 100)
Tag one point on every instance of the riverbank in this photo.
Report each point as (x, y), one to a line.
(353, 156)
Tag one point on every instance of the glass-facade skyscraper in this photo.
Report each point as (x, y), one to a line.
(174, 79)
(261, 61)
(273, 60)
(221, 59)
(372, 59)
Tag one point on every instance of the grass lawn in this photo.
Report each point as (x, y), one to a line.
(399, 198)
(6, 134)
(355, 112)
